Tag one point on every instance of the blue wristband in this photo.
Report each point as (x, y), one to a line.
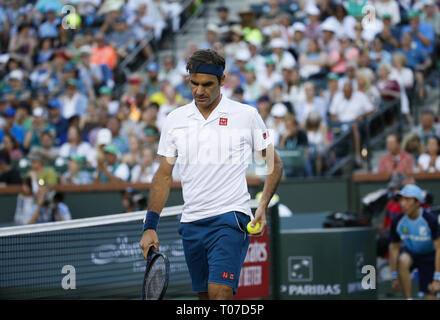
(151, 220)
(394, 275)
(437, 276)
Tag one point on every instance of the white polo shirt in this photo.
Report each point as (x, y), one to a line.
(213, 155)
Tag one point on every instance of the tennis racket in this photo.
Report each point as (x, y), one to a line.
(157, 273)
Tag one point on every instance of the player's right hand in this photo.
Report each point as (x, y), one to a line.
(395, 284)
(149, 238)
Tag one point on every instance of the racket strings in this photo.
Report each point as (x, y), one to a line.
(155, 281)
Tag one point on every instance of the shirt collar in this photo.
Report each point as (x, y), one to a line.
(220, 110)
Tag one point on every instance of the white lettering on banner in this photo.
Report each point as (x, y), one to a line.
(312, 289)
(251, 276)
(257, 252)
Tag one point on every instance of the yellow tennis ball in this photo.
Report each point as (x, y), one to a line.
(73, 20)
(255, 228)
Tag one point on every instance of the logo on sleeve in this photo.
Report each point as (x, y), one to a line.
(264, 135)
(223, 121)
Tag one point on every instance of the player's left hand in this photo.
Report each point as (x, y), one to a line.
(434, 286)
(260, 216)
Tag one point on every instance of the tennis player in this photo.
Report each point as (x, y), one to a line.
(415, 243)
(212, 139)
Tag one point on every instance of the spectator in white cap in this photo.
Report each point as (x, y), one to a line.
(280, 54)
(431, 15)
(211, 36)
(328, 41)
(278, 112)
(38, 126)
(297, 38)
(313, 26)
(17, 91)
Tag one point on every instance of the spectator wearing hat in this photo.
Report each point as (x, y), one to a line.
(75, 173)
(270, 76)
(144, 171)
(422, 33)
(89, 74)
(106, 102)
(313, 26)
(431, 15)
(211, 37)
(10, 126)
(47, 148)
(281, 55)
(153, 83)
(109, 168)
(237, 42)
(252, 89)
(328, 41)
(278, 112)
(38, 126)
(297, 39)
(264, 106)
(40, 174)
(8, 174)
(16, 90)
(390, 34)
(72, 101)
(57, 121)
(415, 243)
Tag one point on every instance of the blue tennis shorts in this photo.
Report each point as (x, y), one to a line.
(425, 263)
(215, 249)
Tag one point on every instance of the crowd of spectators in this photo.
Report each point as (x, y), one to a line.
(307, 66)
